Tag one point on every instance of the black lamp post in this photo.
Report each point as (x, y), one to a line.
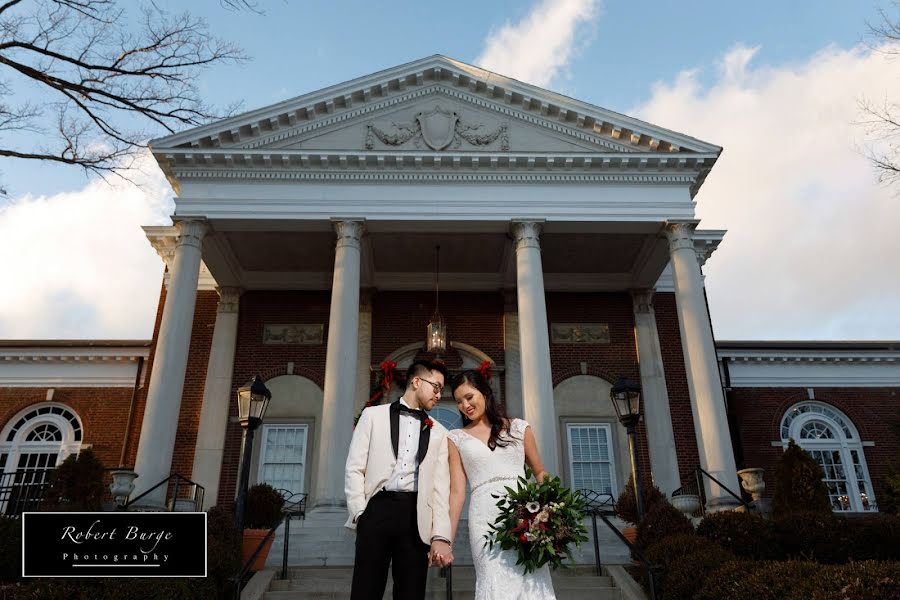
(626, 398)
(253, 400)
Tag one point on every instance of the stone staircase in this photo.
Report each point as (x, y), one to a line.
(321, 551)
(321, 540)
(333, 583)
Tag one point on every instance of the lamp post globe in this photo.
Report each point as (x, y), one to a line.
(253, 401)
(626, 398)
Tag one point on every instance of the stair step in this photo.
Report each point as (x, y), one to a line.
(318, 583)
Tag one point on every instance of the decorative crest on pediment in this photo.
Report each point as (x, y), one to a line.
(438, 129)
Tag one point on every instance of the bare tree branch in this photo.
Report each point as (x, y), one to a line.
(106, 85)
(882, 120)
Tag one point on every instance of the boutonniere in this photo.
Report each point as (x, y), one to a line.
(427, 423)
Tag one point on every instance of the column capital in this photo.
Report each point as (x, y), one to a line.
(680, 234)
(643, 300)
(228, 299)
(527, 234)
(191, 232)
(349, 232)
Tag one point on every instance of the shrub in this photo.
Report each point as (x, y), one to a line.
(875, 537)
(745, 534)
(10, 549)
(802, 580)
(682, 561)
(662, 521)
(762, 580)
(223, 553)
(798, 484)
(813, 536)
(76, 484)
(626, 505)
(264, 507)
(869, 580)
(686, 574)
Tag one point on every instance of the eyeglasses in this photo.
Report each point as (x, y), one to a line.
(438, 388)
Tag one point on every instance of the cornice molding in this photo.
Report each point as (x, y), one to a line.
(456, 77)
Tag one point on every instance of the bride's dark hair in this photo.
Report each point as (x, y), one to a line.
(496, 414)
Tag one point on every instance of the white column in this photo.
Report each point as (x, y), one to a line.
(157, 441)
(534, 348)
(340, 367)
(657, 416)
(217, 396)
(512, 361)
(707, 398)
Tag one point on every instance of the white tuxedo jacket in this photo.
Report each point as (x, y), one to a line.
(371, 460)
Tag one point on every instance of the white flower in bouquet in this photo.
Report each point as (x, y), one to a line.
(532, 507)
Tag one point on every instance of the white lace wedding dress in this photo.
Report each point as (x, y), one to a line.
(498, 577)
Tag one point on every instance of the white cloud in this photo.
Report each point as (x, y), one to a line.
(538, 46)
(77, 264)
(812, 249)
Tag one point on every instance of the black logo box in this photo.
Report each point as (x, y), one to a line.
(117, 544)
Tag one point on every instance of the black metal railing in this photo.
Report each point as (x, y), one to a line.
(238, 578)
(23, 490)
(602, 506)
(696, 488)
(181, 494)
(294, 508)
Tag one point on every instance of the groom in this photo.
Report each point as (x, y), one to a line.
(398, 484)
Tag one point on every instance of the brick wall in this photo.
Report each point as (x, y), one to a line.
(676, 383)
(759, 412)
(103, 413)
(252, 357)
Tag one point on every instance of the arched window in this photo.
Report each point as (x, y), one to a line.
(448, 417)
(830, 437)
(31, 445)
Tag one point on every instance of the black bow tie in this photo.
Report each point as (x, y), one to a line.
(413, 412)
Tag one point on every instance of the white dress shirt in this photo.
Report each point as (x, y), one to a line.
(405, 476)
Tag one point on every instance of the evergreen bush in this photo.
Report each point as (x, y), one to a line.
(662, 521)
(799, 485)
(747, 535)
(264, 507)
(77, 484)
(626, 505)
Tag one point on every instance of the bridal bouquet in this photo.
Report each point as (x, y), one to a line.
(540, 521)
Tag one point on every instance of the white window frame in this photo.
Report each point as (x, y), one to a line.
(614, 487)
(842, 443)
(18, 447)
(266, 428)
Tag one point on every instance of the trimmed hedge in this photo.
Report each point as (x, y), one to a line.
(626, 505)
(684, 562)
(803, 580)
(10, 550)
(799, 485)
(747, 535)
(662, 521)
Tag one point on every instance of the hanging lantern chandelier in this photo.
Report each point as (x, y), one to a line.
(437, 329)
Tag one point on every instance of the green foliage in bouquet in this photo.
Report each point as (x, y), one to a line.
(539, 521)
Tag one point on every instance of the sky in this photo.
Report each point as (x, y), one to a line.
(811, 251)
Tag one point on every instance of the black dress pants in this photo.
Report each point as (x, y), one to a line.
(387, 535)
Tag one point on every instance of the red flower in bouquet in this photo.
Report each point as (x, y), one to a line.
(539, 521)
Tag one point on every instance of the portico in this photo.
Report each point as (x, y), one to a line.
(344, 193)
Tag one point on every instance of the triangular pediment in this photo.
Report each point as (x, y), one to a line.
(342, 117)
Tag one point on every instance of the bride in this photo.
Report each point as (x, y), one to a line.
(491, 452)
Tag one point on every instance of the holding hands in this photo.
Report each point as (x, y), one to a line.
(441, 554)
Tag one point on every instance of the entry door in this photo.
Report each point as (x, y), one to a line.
(283, 457)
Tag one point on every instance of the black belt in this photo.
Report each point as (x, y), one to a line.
(398, 495)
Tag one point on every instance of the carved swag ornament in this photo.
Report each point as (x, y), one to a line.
(439, 130)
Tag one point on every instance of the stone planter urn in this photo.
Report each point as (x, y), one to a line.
(122, 484)
(688, 504)
(752, 481)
